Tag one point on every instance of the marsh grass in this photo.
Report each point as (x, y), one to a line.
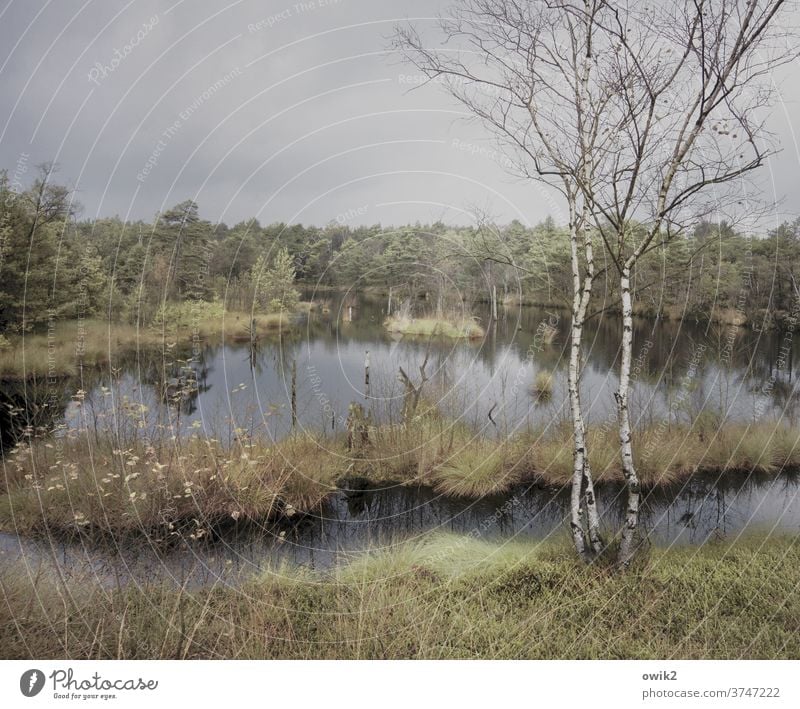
(80, 487)
(86, 484)
(542, 387)
(240, 327)
(73, 345)
(664, 455)
(452, 327)
(446, 598)
(482, 467)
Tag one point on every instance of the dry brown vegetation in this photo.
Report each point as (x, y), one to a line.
(86, 484)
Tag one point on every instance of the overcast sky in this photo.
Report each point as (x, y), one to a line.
(288, 112)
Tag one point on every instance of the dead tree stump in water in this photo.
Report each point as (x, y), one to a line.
(358, 425)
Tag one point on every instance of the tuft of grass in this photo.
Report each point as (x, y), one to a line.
(442, 556)
(455, 328)
(478, 469)
(542, 387)
(445, 598)
(241, 327)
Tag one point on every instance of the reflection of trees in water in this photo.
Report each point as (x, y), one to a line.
(772, 374)
(31, 408)
(666, 355)
(361, 520)
(178, 376)
(739, 366)
(707, 507)
(697, 511)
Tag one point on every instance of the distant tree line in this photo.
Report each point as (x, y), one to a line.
(53, 264)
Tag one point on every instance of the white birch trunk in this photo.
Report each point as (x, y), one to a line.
(582, 496)
(579, 442)
(573, 385)
(592, 516)
(631, 522)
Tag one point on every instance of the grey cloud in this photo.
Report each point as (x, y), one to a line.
(189, 101)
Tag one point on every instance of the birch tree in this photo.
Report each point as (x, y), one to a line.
(636, 113)
(686, 126)
(526, 71)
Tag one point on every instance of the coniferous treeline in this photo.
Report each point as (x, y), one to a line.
(53, 264)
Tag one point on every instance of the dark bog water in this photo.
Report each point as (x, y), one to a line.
(702, 510)
(680, 370)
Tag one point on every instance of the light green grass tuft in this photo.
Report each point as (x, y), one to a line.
(455, 328)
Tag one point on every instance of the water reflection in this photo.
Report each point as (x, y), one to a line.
(358, 521)
(681, 370)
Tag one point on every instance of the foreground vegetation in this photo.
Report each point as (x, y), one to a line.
(84, 484)
(448, 597)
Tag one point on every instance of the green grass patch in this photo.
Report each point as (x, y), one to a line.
(455, 328)
(447, 598)
(481, 467)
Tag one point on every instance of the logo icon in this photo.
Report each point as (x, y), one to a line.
(31, 682)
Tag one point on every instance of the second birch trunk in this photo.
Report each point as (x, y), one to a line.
(626, 548)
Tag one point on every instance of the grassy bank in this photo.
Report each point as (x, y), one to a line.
(446, 598)
(87, 484)
(192, 488)
(72, 344)
(455, 328)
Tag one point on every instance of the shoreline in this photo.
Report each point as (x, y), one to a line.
(92, 344)
(199, 485)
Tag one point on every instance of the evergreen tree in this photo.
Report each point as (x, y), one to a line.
(185, 240)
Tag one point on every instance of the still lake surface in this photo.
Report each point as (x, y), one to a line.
(705, 509)
(681, 371)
